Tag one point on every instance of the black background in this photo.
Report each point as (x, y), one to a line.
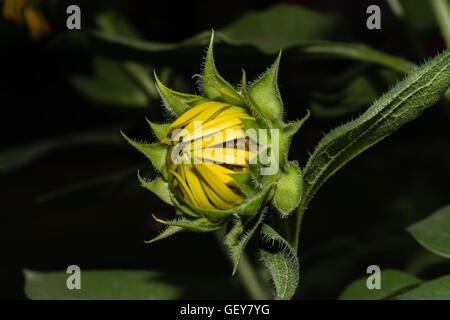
(358, 218)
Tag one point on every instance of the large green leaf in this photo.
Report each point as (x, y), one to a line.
(392, 282)
(282, 262)
(120, 285)
(433, 232)
(402, 104)
(112, 84)
(280, 26)
(437, 289)
(353, 92)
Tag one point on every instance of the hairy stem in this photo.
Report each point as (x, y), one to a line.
(246, 273)
(441, 10)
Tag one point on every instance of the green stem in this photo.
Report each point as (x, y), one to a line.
(246, 273)
(441, 10)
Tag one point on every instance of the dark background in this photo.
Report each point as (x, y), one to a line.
(357, 219)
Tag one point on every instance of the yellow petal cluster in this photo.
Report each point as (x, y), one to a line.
(208, 143)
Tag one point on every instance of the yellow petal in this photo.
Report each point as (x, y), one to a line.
(222, 173)
(184, 188)
(217, 185)
(216, 199)
(194, 184)
(222, 155)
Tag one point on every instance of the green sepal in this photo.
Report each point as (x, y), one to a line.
(213, 215)
(265, 95)
(216, 87)
(288, 192)
(155, 152)
(177, 102)
(239, 235)
(197, 225)
(244, 182)
(158, 186)
(160, 129)
(183, 208)
(170, 231)
(281, 261)
(286, 135)
(252, 205)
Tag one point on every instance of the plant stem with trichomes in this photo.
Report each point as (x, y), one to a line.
(246, 273)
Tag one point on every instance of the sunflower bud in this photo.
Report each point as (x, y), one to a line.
(207, 144)
(224, 156)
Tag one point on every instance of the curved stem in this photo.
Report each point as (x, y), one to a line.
(246, 273)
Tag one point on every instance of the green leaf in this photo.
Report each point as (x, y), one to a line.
(357, 92)
(216, 87)
(197, 225)
(155, 152)
(294, 25)
(300, 32)
(282, 262)
(433, 232)
(112, 22)
(17, 157)
(160, 129)
(392, 282)
(240, 234)
(265, 94)
(437, 289)
(168, 232)
(110, 84)
(288, 191)
(159, 186)
(404, 103)
(177, 102)
(125, 285)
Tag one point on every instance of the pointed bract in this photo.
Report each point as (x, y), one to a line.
(264, 93)
(155, 152)
(160, 129)
(197, 225)
(216, 87)
(177, 102)
(240, 234)
(286, 135)
(159, 186)
(170, 231)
